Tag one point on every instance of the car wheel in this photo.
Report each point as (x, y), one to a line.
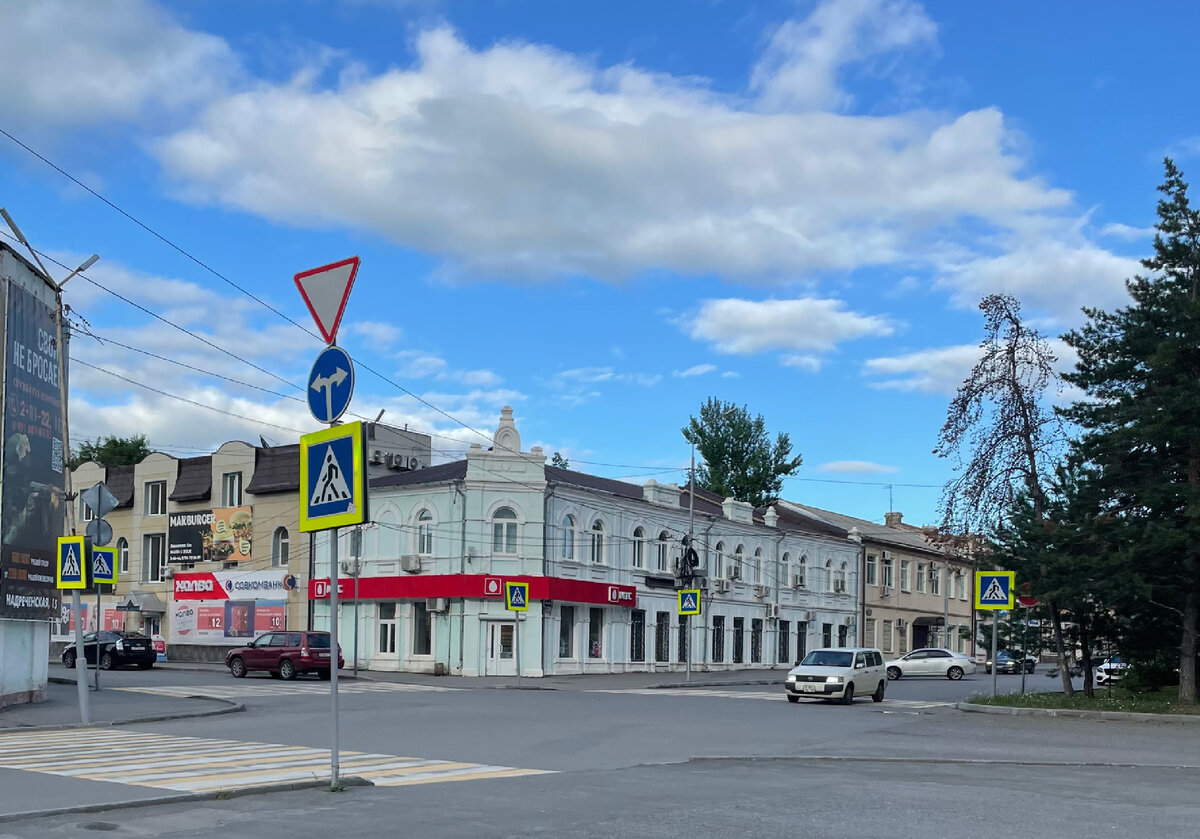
(793, 699)
(954, 673)
(287, 670)
(848, 696)
(69, 660)
(106, 661)
(893, 673)
(879, 691)
(325, 675)
(237, 667)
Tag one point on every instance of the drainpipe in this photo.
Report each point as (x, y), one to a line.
(462, 569)
(862, 587)
(703, 623)
(546, 572)
(778, 594)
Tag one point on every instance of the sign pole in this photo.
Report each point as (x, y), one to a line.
(517, 646)
(85, 715)
(995, 664)
(333, 655)
(1024, 649)
(98, 615)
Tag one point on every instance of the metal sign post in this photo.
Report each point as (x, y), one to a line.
(995, 663)
(994, 592)
(334, 582)
(71, 573)
(516, 599)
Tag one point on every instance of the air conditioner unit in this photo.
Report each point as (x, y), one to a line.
(735, 573)
(413, 463)
(410, 563)
(887, 554)
(168, 572)
(849, 621)
(437, 604)
(721, 585)
(348, 567)
(797, 581)
(810, 615)
(773, 611)
(762, 591)
(377, 456)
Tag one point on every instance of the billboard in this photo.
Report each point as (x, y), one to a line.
(228, 607)
(224, 534)
(32, 508)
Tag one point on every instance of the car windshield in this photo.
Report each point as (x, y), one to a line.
(827, 658)
(1003, 655)
(319, 640)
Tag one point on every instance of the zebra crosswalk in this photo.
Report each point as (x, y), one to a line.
(773, 696)
(246, 688)
(196, 764)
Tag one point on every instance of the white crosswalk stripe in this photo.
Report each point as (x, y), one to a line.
(244, 689)
(196, 764)
(775, 696)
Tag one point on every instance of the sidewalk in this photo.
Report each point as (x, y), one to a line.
(588, 681)
(109, 706)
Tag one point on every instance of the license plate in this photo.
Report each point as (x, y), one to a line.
(322, 655)
(808, 688)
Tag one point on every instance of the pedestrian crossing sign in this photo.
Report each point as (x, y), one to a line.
(994, 589)
(104, 565)
(689, 601)
(516, 597)
(333, 478)
(70, 562)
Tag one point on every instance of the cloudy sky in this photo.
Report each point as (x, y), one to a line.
(600, 213)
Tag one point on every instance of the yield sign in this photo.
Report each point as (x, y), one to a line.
(325, 291)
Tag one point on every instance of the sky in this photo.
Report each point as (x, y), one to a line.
(599, 213)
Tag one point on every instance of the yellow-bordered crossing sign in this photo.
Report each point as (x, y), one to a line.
(689, 601)
(70, 570)
(516, 597)
(333, 478)
(994, 589)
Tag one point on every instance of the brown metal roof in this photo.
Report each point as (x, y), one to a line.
(193, 480)
(276, 469)
(455, 470)
(581, 479)
(119, 480)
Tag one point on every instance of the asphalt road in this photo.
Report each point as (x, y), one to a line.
(625, 763)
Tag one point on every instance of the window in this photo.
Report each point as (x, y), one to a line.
(719, 561)
(637, 635)
(785, 641)
(826, 635)
(681, 647)
(872, 560)
(123, 556)
(231, 489)
(785, 571)
(935, 580)
(960, 581)
(756, 633)
(504, 531)
(639, 556)
(739, 633)
(280, 545)
(921, 577)
(840, 585)
(885, 643)
(868, 639)
(662, 636)
(598, 541)
(156, 499)
(568, 545)
(662, 548)
(888, 580)
(422, 629)
(387, 628)
(801, 640)
(566, 631)
(736, 572)
(85, 512)
(595, 633)
(829, 581)
(843, 633)
(425, 533)
(756, 568)
(718, 641)
(802, 573)
(154, 558)
(905, 568)
(902, 632)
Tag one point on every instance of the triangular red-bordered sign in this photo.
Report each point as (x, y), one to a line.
(325, 291)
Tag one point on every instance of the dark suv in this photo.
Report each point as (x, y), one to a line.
(284, 654)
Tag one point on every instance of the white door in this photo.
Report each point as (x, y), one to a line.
(500, 650)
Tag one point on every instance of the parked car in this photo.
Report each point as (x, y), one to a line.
(932, 661)
(116, 649)
(839, 674)
(1007, 662)
(285, 655)
(1110, 670)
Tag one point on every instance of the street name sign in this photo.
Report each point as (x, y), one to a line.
(994, 589)
(104, 565)
(333, 478)
(516, 597)
(70, 568)
(325, 291)
(689, 601)
(330, 385)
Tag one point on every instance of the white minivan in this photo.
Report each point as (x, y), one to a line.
(839, 674)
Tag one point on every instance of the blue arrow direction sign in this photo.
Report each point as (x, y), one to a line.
(516, 597)
(330, 384)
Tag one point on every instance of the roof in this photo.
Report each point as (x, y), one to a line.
(581, 479)
(193, 481)
(795, 520)
(276, 469)
(455, 470)
(707, 503)
(871, 531)
(119, 480)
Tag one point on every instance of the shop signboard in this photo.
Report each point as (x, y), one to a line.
(228, 607)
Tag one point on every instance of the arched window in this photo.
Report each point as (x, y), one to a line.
(280, 547)
(841, 578)
(425, 533)
(568, 545)
(662, 548)
(756, 573)
(719, 561)
(785, 570)
(802, 573)
(598, 541)
(639, 545)
(829, 575)
(736, 571)
(123, 555)
(504, 531)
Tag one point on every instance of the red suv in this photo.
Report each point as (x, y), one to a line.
(284, 655)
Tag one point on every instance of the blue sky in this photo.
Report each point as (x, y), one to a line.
(601, 213)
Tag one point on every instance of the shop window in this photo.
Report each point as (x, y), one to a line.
(756, 639)
(422, 630)
(595, 633)
(566, 631)
(785, 638)
(637, 635)
(662, 636)
(387, 628)
(739, 631)
(718, 639)
(682, 641)
(801, 640)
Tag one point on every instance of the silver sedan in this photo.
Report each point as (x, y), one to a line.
(932, 661)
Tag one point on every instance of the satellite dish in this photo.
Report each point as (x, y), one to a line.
(99, 532)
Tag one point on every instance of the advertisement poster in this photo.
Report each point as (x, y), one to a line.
(31, 518)
(224, 534)
(111, 618)
(228, 607)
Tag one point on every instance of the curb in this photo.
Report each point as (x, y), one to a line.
(675, 685)
(183, 798)
(233, 708)
(1128, 716)
(951, 761)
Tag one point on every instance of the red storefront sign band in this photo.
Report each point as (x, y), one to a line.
(476, 586)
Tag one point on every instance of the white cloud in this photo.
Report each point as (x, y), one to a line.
(479, 378)
(378, 335)
(695, 370)
(803, 362)
(1125, 232)
(731, 374)
(939, 370)
(419, 365)
(799, 68)
(748, 326)
(857, 467)
(596, 375)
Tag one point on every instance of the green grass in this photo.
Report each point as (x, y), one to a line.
(1165, 701)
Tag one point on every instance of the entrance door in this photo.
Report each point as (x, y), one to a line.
(500, 649)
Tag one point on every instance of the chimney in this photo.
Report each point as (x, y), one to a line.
(771, 518)
(892, 519)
